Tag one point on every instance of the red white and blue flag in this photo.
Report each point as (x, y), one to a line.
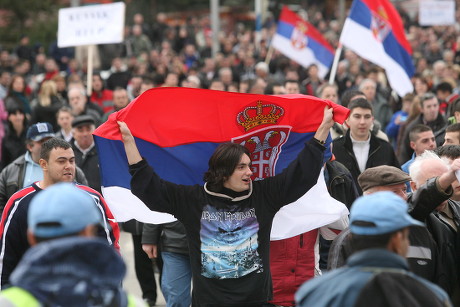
(302, 42)
(178, 129)
(374, 30)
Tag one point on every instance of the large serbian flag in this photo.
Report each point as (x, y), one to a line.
(302, 42)
(374, 30)
(177, 130)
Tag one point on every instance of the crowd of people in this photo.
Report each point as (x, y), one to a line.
(405, 145)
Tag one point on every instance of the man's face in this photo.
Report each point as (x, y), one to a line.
(120, 99)
(226, 77)
(83, 135)
(456, 187)
(430, 109)
(64, 120)
(329, 93)
(369, 91)
(240, 179)
(399, 189)
(429, 169)
(60, 166)
(217, 86)
(35, 147)
(442, 95)
(171, 80)
(5, 79)
(452, 138)
(292, 88)
(425, 141)
(144, 87)
(77, 101)
(136, 82)
(360, 122)
(279, 90)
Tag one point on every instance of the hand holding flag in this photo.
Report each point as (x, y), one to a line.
(177, 130)
(130, 144)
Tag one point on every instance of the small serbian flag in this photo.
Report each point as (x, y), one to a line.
(302, 42)
(374, 30)
(178, 129)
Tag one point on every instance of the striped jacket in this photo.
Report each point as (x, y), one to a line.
(13, 227)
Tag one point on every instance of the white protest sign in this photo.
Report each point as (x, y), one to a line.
(432, 13)
(94, 24)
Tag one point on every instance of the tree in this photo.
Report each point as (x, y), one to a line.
(37, 19)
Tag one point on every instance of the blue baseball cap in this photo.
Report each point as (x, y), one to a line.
(39, 131)
(62, 209)
(380, 213)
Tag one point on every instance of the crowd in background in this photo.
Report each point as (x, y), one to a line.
(34, 80)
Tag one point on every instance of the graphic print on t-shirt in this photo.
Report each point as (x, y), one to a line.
(229, 243)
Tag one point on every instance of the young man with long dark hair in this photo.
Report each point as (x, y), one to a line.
(228, 220)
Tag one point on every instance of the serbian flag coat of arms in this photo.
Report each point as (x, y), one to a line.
(374, 30)
(178, 129)
(302, 42)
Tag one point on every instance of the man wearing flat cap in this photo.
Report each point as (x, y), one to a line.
(86, 156)
(384, 178)
(423, 251)
(380, 227)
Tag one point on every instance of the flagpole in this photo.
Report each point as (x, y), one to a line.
(89, 71)
(338, 52)
(268, 58)
(258, 11)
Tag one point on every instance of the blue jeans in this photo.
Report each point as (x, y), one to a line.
(176, 279)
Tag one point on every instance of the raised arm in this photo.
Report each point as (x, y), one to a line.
(327, 123)
(155, 193)
(446, 179)
(130, 144)
(302, 173)
(432, 193)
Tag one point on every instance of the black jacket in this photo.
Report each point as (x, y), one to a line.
(380, 153)
(89, 164)
(13, 146)
(229, 236)
(340, 183)
(47, 113)
(448, 240)
(425, 258)
(170, 236)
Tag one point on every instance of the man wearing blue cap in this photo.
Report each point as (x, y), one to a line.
(378, 269)
(71, 267)
(25, 170)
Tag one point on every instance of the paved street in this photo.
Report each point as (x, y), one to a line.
(131, 284)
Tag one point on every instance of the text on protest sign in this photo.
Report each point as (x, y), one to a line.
(434, 13)
(91, 25)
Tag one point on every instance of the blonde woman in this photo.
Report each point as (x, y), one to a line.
(47, 104)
